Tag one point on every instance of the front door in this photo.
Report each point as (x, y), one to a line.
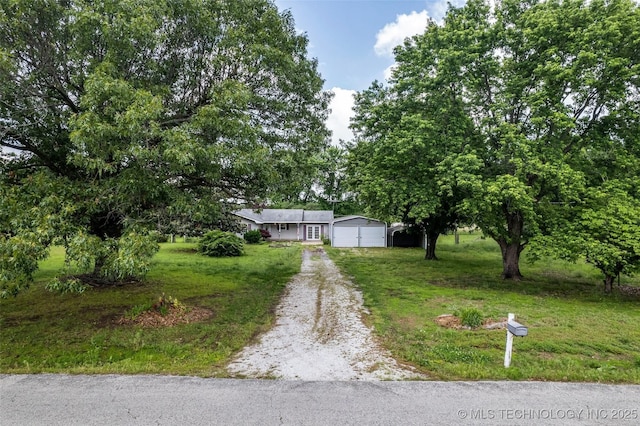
(313, 232)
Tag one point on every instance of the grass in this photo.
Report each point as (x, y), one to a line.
(576, 332)
(45, 332)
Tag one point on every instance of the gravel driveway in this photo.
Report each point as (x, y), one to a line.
(319, 333)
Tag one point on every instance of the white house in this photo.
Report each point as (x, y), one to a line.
(314, 225)
(288, 224)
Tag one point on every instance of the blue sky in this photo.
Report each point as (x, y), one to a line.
(353, 41)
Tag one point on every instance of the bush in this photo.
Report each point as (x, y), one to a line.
(158, 237)
(471, 317)
(219, 244)
(265, 233)
(253, 237)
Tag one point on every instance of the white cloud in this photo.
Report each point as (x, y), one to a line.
(393, 34)
(389, 71)
(438, 9)
(341, 112)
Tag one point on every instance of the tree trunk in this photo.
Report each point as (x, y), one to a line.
(430, 250)
(99, 264)
(511, 260)
(105, 225)
(608, 283)
(511, 245)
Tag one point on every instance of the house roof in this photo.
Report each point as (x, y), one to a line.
(286, 215)
(318, 216)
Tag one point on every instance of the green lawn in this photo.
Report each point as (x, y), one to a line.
(45, 332)
(576, 332)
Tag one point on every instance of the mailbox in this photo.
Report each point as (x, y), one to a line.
(516, 328)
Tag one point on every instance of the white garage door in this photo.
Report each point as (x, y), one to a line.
(359, 236)
(345, 236)
(372, 236)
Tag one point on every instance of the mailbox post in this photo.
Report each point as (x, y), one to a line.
(513, 329)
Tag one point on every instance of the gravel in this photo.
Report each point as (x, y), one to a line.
(319, 333)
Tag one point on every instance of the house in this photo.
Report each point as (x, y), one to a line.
(288, 224)
(315, 225)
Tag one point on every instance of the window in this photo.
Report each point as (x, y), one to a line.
(283, 227)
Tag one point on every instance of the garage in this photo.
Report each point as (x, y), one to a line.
(358, 231)
(405, 236)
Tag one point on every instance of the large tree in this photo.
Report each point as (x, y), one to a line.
(543, 82)
(603, 226)
(401, 139)
(603, 229)
(119, 115)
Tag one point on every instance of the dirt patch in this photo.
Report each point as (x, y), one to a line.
(319, 333)
(452, 321)
(173, 316)
(449, 321)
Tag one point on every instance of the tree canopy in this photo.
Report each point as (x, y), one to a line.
(512, 104)
(121, 116)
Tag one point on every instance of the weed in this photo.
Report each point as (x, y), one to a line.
(166, 303)
(452, 353)
(137, 310)
(162, 305)
(137, 341)
(470, 317)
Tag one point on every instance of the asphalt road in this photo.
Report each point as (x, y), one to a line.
(167, 400)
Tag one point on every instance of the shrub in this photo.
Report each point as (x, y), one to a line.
(163, 305)
(471, 317)
(219, 244)
(253, 237)
(158, 237)
(265, 233)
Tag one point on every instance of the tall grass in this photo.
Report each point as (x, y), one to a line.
(576, 332)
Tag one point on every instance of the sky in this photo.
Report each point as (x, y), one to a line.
(353, 41)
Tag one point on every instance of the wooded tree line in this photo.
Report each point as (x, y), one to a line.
(522, 117)
(123, 116)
